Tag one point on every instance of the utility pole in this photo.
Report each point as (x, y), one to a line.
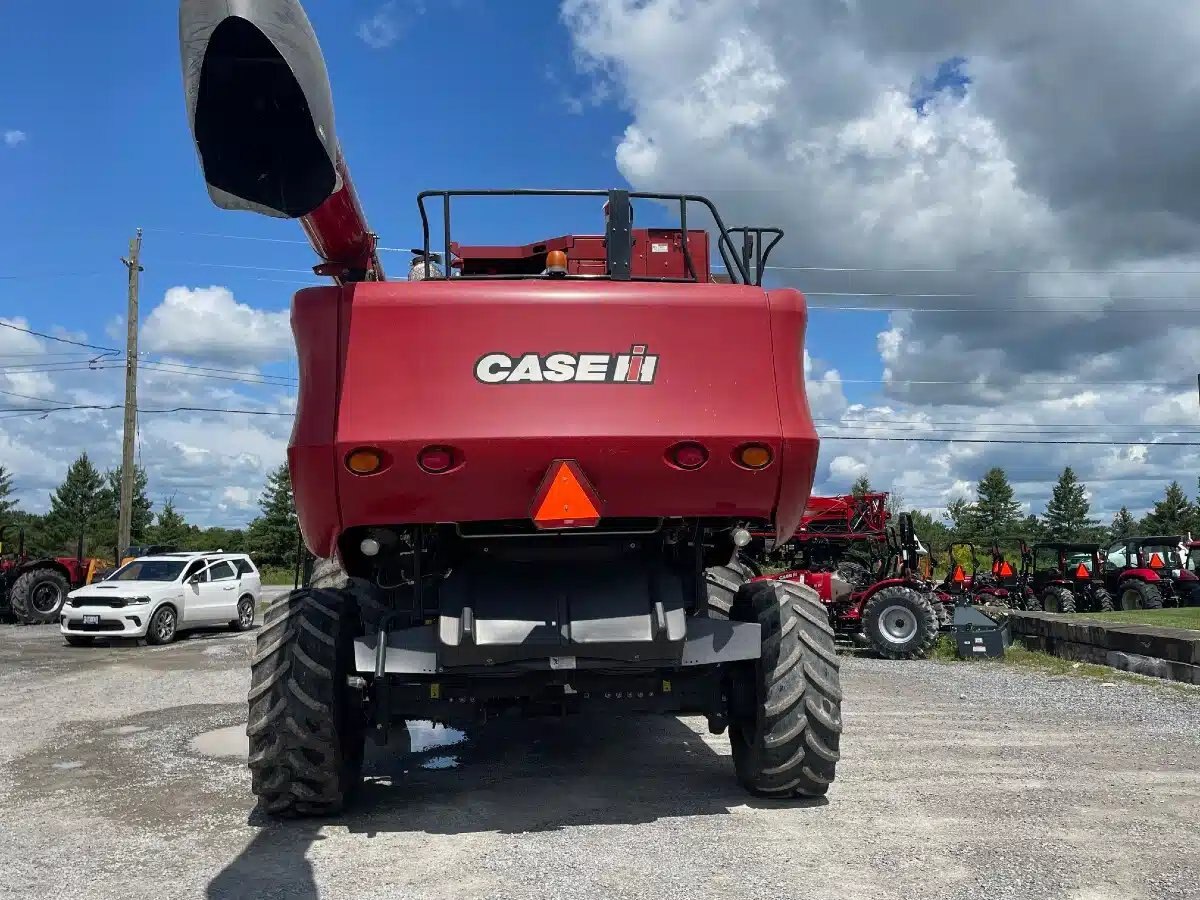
(125, 520)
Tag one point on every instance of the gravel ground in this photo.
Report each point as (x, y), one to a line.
(120, 777)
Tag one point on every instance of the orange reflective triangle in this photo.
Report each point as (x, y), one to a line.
(565, 499)
(1005, 570)
(959, 575)
(1082, 571)
(1156, 561)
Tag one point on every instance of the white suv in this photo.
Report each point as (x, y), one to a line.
(156, 597)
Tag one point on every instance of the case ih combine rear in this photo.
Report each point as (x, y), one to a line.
(518, 465)
(867, 572)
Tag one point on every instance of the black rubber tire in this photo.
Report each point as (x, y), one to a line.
(153, 635)
(1103, 600)
(75, 640)
(1057, 599)
(1030, 602)
(924, 635)
(22, 592)
(790, 749)
(372, 603)
(306, 732)
(236, 624)
(723, 583)
(939, 609)
(1140, 595)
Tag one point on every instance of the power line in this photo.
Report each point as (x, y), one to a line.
(20, 412)
(993, 440)
(30, 397)
(51, 337)
(880, 423)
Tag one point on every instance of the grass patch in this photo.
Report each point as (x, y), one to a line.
(1187, 617)
(277, 575)
(1048, 664)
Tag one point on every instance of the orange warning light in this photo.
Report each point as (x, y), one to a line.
(565, 499)
(1155, 561)
(1082, 571)
(959, 575)
(1005, 570)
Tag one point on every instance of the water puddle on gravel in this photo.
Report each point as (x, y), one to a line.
(226, 743)
(441, 762)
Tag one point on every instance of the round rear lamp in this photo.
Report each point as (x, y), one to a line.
(436, 460)
(364, 461)
(688, 455)
(753, 456)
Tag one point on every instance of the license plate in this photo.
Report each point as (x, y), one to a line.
(91, 620)
(562, 662)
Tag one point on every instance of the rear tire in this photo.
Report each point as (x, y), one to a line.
(723, 583)
(37, 597)
(306, 733)
(787, 745)
(1103, 599)
(1058, 600)
(900, 623)
(372, 604)
(1140, 595)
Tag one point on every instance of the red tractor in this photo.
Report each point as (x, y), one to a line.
(517, 465)
(1006, 584)
(868, 573)
(1149, 572)
(33, 589)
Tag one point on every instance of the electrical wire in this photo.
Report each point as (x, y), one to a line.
(955, 440)
(51, 337)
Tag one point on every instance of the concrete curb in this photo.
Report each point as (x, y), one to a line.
(1169, 653)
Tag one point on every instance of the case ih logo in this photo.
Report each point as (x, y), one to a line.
(634, 367)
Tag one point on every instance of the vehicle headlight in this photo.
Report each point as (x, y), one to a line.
(134, 601)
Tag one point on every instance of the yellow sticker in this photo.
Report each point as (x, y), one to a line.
(435, 692)
(666, 686)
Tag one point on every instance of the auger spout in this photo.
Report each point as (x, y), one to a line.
(261, 113)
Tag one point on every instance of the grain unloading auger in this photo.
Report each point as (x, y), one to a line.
(522, 471)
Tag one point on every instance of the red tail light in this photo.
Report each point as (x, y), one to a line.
(688, 455)
(437, 460)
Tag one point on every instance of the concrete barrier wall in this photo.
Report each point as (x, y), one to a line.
(1171, 653)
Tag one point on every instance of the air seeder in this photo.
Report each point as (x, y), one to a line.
(518, 465)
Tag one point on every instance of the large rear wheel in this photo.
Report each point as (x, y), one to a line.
(900, 623)
(723, 583)
(306, 729)
(786, 715)
(1140, 595)
(37, 596)
(1058, 599)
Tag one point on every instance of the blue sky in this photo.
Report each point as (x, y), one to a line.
(485, 94)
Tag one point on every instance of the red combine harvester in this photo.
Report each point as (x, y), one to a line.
(866, 571)
(33, 589)
(516, 466)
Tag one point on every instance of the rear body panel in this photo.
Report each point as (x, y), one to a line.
(397, 366)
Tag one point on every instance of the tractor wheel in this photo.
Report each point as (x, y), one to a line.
(786, 716)
(1030, 602)
(37, 596)
(939, 609)
(901, 623)
(723, 583)
(1057, 599)
(1141, 595)
(306, 730)
(1104, 600)
(328, 574)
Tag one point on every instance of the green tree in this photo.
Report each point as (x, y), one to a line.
(960, 513)
(1066, 517)
(931, 532)
(170, 528)
(6, 505)
(77, 507)
(862, 485)
(271, 537)
(1174, 514)
(1123, 525)
(142, 518)
(996, 512)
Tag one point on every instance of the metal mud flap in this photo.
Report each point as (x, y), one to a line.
(561, 617)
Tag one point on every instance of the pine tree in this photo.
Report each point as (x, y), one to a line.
(1031, 529)
(961, 514)
(76, 506)
(1123, 525)
(142, 518)
(272, 536)
(170, 529)
(6, 505)
(1066, 517)
(862, 485)
(1171, 515)
(995, 513)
